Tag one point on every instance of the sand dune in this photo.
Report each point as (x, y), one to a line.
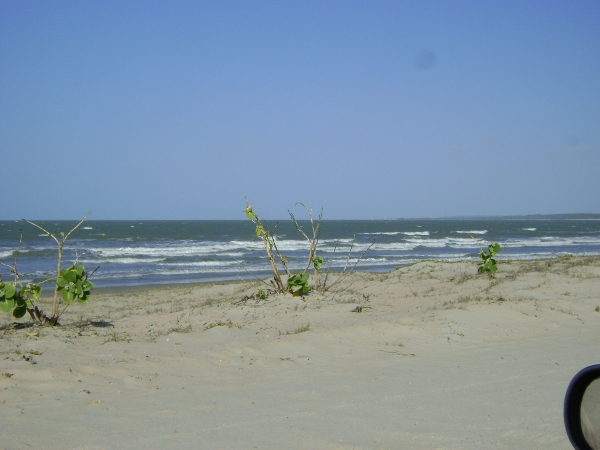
(441, 359)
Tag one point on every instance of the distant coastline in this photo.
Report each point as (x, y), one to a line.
(524, 217)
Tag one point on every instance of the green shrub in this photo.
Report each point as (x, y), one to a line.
(488, 263)
(73, 282)
(298, 283)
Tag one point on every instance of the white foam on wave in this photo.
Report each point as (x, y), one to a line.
(177, 250)
(232, 248)
(390, 233)
(204, 264)
(472, 232)
(529, 229)
(333, 241)
(553, 241)
(416, 233)
(122, 260)
(162, 272)
(86, 228)
(6, 253)
(196, 253)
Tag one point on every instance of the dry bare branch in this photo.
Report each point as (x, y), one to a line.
(345, 274)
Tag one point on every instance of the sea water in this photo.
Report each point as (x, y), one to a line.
(155, 252)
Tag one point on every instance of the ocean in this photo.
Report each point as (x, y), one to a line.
(129, 253)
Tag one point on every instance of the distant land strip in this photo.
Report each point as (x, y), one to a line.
(583, 216)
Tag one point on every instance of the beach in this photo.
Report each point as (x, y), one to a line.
(438, 357)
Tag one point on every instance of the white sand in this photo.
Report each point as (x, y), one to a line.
(444, 359)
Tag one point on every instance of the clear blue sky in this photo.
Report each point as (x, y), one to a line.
(371, 109)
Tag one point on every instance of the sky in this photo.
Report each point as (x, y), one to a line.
(368, 109)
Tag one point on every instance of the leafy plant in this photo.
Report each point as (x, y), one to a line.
(298, 283)
(270, 245)
(300, 329)
(21, 299)
(488, 263)
(220, 323)
(317, 262)
(74, 284)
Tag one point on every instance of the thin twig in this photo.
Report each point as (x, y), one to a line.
(251, 274)
(17, 278)
(44, 230)
(313, 243)
(330, 263)
(76, 226)
(61, 313)
(344, 273)
(349, 253)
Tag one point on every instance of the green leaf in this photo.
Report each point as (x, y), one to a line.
(61, 282)
(259, 231)
(249, 212)
(299, 283)
(19, 311)
(317, 262)
(7, 305)
(67, 296)
(80, 270)
(70, 276)
(36, 291)
(83, 298)
(88, 285)
(10, 290)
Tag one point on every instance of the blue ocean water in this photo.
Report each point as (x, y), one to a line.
(154, 252)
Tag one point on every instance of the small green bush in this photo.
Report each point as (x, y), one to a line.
(298, 283)
(488, 263)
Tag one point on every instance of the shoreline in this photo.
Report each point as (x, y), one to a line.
(122, 289)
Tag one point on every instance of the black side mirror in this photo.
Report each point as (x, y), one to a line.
(582, 409)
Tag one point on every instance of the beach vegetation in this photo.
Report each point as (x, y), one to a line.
(300, 329)
(271, 248)
(488, 262)
(72, 283)
(221, 323)
(115, 336)
(298, 283)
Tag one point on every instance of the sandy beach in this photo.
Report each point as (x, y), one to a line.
(440, 358)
